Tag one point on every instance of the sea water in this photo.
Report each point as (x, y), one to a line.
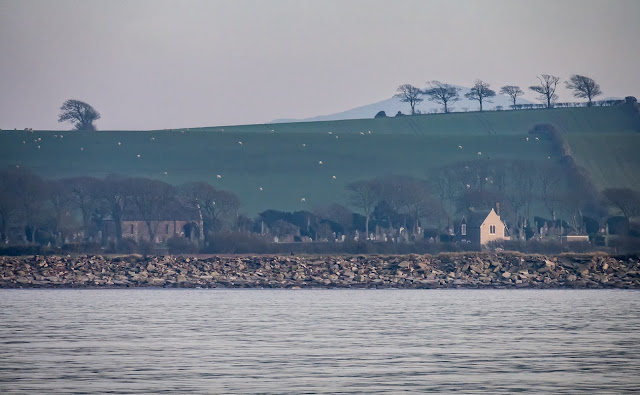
(319, 341)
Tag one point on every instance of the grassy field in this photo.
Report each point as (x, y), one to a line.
(612, 159)
(284, 159)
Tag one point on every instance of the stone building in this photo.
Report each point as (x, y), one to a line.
(481, 227)
(175, 220)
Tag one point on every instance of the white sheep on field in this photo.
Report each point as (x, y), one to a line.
(240, 142)
(460, 146)
(334, 177)
(319, 162)
(218, 176)
(479, 153)
(261, 188)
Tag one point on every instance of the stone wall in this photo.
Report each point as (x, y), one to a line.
(459, 270)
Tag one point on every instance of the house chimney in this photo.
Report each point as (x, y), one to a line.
(498, 208)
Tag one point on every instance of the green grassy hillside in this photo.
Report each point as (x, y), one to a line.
(612, 159)
(284, 159)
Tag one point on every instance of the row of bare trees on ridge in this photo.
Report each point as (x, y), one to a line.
(445, 94)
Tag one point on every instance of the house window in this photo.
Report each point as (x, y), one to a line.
(166, 228)
(463, 229)
(492, 229)
(131, 228)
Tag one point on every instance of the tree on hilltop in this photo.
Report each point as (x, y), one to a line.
(409, 94)
(512, 91)
(80, 113)
(442, 94)
(547, 89)
(583, 87)
(480, 91)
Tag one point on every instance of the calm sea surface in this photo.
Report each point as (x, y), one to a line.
(319, 341)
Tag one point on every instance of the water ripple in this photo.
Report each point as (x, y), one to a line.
(319, 341)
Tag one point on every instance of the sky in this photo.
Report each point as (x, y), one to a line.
(156, 64)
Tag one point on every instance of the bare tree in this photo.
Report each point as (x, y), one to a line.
(578, 195)
(364, 196)
(625, 200)
(480, 91)
(512, 91)
(62, 202)
(443, 182)
(336, 213)
(80, 113)
(8, 204)
(546, 89)
(583, 87)
(419, 203)
(442, 94)
(86, 193)
(215, 206)
(116, 191)
(151, 198)
(30, 191)
(549, 178)
(409, 94)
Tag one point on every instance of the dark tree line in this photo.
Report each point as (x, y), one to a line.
(35, 210)
(515, 187)
(59, 209)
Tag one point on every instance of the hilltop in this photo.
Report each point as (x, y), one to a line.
(284, 159)
(393, 104)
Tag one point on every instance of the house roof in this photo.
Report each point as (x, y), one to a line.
(475, 218)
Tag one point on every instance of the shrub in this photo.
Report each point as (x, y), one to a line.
(236, 243)
(181, 245)
(381, 114)
(19, 250)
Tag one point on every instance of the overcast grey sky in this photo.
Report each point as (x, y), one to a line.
(162, 64)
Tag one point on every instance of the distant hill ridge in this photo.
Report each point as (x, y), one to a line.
(392, 105)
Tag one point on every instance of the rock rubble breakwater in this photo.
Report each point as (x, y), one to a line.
(459, 270)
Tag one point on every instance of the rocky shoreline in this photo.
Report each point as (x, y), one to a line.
(455, 270)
